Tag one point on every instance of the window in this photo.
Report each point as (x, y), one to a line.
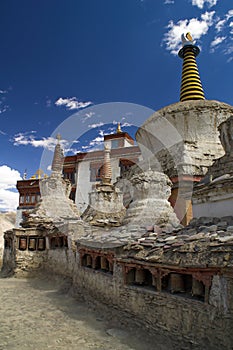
(70, 176)
(115, 143)
(58, 242)
(96, 171)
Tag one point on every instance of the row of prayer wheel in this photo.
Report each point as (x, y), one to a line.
(177, 285)
(177, 282)
(33, 244)
(104, 263)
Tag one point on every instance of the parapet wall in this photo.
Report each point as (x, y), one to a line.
(194, 305)
(203, 325)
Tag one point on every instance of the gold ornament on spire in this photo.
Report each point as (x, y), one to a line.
(58, 137)
(119, 128)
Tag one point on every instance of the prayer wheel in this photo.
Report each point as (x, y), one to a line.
(103, 263)
(176, 283)
(139, 276)
(32, 244)
(41, 244)
(111, 267)
(198, 288)
(154, 281)
(130, 277)
(23, 243)
(65, 241)
(89, 260)
(57, 242)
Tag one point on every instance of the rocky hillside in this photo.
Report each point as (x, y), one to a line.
(7, 221)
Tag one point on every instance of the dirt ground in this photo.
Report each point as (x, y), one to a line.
(38, 314)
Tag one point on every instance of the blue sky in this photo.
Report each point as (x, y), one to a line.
(64, 57)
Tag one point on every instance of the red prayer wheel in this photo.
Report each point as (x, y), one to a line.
(89, 261)
(176, 283)
(103, 263)
(139, 276)
(32, 244)
(41, 244)
(23, 243)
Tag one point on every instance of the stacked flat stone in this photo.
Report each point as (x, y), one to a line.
(204, 242)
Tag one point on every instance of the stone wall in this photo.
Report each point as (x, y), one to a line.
(61, 261)
(204, 325)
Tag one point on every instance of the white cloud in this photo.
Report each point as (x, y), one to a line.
(217, 40)
(231, 26)
(87, 116)
(92, 126)
(125, 124)
(29, 139)
(97, 141)
(48, 103)
(229, 51)
(197, 27)
(101, 132)
(168, 2)
(229, 14)
(72, 103)
(220, 24)
(3, 109)
(3, 106)
(8, 178)
(223, 25)
(201, 3)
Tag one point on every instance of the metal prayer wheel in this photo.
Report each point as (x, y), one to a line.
(65, 241)
(176, 283)
(41, 244)
(111, 267)
(154, 281)
(89, 260)
(103, 263)
(23, 243)
(32, 244)
(198, 288)
(57, 241)
(139, 276)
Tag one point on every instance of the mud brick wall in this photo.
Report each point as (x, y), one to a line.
(61, 261)
(27, 262)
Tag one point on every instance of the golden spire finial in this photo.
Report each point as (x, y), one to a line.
(119, 128)
(58, 137)
(187, 39)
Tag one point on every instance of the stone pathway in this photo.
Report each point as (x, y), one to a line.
(36, 314)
